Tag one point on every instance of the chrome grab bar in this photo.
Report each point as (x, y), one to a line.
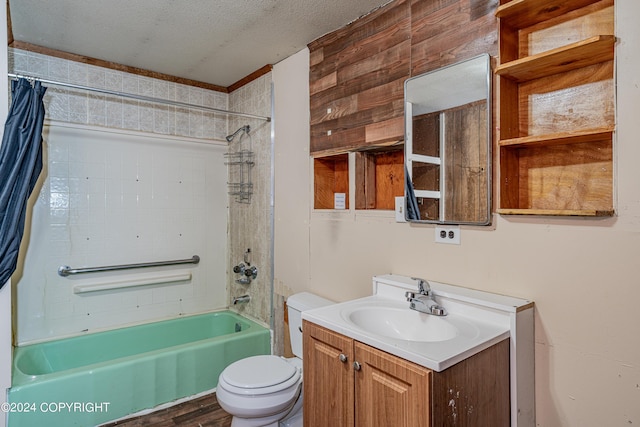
(65, 270)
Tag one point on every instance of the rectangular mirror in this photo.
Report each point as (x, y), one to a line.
(448, 144)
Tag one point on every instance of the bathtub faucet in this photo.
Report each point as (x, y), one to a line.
(247, 272)
(241, 300)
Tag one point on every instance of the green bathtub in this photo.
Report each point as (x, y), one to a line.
(95, 378)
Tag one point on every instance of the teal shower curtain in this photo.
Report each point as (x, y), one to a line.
(20, 166)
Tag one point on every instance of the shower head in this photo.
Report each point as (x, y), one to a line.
(246, 129)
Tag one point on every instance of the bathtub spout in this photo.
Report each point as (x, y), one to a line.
(241, 300)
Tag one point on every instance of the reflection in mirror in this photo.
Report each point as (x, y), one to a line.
(448, 144)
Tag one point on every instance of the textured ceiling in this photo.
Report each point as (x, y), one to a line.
(212, 41)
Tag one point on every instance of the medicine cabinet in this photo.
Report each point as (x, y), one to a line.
(448, 144)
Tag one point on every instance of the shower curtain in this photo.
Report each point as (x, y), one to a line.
(20, 166)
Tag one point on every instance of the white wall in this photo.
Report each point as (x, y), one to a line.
(292, 184)
(581, 273)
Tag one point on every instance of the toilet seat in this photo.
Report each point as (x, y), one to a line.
(258, 375)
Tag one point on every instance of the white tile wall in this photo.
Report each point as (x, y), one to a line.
(250, 224)
(76, 106)
(110, 197)
(113, 197)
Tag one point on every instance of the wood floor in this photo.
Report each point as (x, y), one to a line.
(201, 412)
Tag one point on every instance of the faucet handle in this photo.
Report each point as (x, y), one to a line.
(422, 289)
(438, 311)
(409, 295)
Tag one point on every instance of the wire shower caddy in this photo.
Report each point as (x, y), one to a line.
(239, 165)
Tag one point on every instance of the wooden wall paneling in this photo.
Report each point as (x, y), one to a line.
(370, 59)
(326, 108)
(328, 81)
(334, 109)
(343, 47)
(422, 8)
(466, 164)
(357, 73)
(316, 56)
(348, 133)
(383, 132)
(480, 8)
(426, 131)
(381, 95)
(452, 33)
(338, 103)
(339, 141)
(370, 29)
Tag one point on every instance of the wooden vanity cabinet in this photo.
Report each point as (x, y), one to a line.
(328, 379)
(389, 391)
(348, 383)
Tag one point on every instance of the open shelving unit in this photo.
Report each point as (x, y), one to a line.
(557, 113)
(331, 176)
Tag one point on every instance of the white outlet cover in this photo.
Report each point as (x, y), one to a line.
(448, 234)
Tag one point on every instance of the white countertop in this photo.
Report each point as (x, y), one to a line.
(481, 319)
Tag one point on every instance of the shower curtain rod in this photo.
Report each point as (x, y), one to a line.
(139, 97)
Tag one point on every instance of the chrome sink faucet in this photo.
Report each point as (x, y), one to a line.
(423, 301)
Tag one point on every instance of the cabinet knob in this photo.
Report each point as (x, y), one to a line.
(357, 366)
(343, 358)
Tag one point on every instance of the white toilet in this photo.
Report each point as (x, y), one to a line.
(266, 391)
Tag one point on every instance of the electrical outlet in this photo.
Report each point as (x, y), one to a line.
(448, 234)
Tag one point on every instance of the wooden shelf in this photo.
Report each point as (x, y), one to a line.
(331, 176)
(587, 52)
(556, 107)
(525, 13)
(557, 212)
(379, 178)
(576, 137)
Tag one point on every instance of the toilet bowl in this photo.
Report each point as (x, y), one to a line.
(266, 391)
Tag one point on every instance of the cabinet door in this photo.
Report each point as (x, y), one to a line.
(328, 378)
(390, 391)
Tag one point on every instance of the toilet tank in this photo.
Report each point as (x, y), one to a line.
(296, 304)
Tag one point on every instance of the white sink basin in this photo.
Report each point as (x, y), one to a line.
(403, 324)
(475, 321)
